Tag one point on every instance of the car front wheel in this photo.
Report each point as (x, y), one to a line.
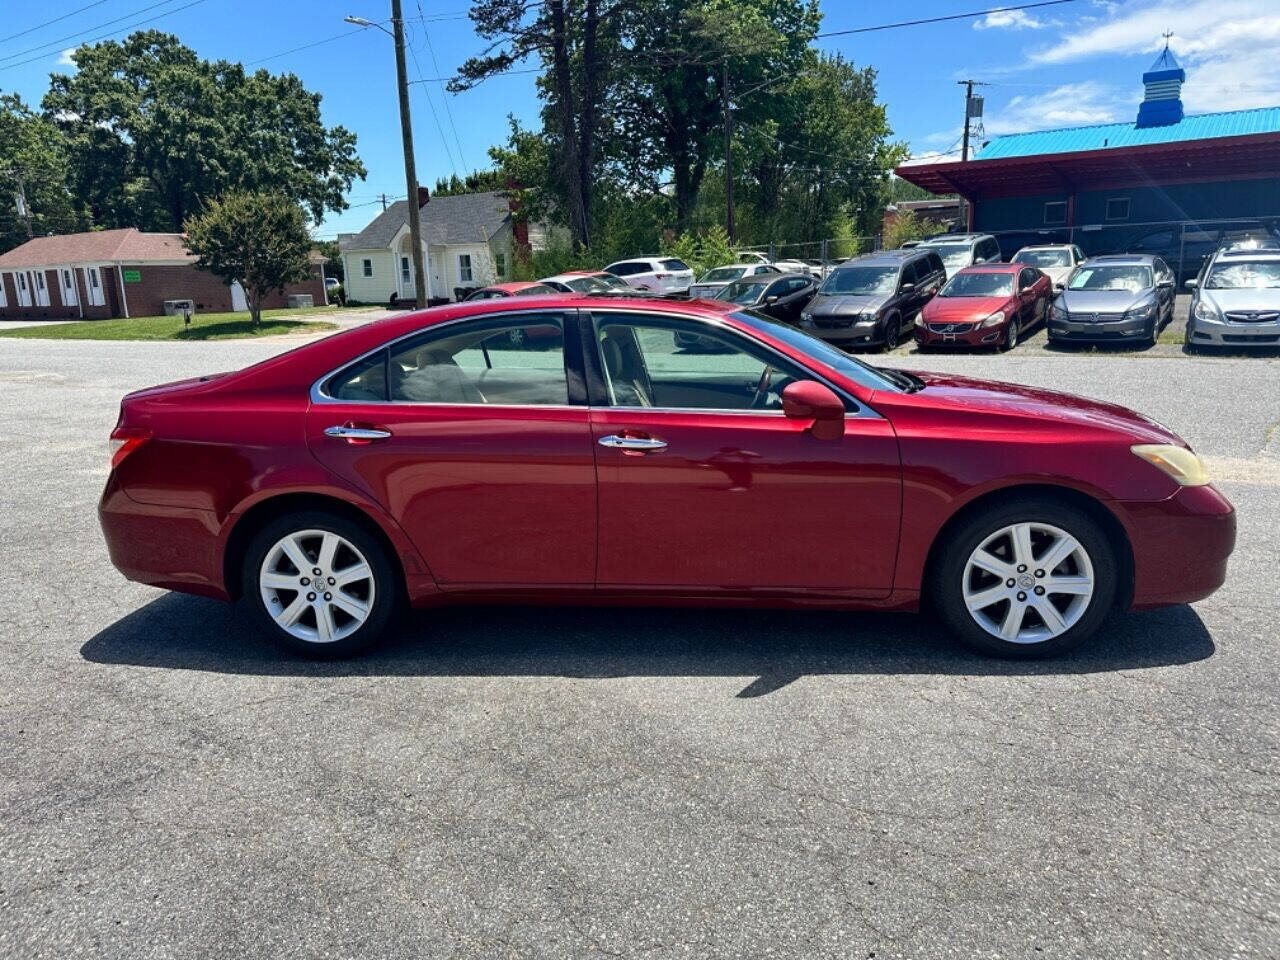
(321, 582)
(1032, 578)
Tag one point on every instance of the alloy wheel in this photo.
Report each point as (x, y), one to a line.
(1028, 582)
(317, 586)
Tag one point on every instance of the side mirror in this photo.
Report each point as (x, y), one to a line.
(1059, 286)
(810, 400)
(1166, 282)
(772, 298)
(1191, 284)
(907, 287)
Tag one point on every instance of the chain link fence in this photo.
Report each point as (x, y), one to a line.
(821, 254)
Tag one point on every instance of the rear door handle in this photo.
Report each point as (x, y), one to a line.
(348, 432)
(642, 444)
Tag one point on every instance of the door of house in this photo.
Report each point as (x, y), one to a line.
(41, 288)
(93, 283)
(67, 289)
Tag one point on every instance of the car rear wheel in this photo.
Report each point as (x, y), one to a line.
(322, 583)
(1031, 578)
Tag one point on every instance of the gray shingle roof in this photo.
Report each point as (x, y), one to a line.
(466, 218)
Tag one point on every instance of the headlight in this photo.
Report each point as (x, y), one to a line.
(806, 316)
(1057, 312)
(1202, 311)
(1141, 311)
(1178, 462)
(920, 319)
(995, 318)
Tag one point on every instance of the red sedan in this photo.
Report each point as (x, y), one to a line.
(407, 461)
(987, 305)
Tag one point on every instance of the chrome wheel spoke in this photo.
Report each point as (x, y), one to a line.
(325, 628)
(985, 560)
(281, 581)
(354, 608)
(328, 547)
(1078, 586)
(291, 549)
(1063, 548)
(352, 574)
(1011, 626)
(1023, 553)
(985, 598)
(290, 614)
(1054, 620)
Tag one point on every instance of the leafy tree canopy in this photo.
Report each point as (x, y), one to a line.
(33, 158)
(153, 132)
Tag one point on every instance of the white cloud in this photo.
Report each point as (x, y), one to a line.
(64, 59)
(930, 156)
(1069, 105)
(1008, 20)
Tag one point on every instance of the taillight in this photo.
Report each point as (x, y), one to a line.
(662, 276)
(125, 440)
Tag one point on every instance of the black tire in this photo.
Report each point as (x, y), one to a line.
(388, 586)
(945, 587)
(892, 333)
(1010, 336)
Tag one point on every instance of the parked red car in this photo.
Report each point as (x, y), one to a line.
(517, 288)
(407, 460)
(988, 305)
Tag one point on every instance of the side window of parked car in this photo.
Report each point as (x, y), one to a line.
(517, 360)
(645, 367)
(988, 250)
(796, 284)
(1027, 278)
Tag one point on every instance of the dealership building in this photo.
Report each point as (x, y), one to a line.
(1164, 183)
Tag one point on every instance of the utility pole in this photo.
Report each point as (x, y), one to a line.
(383, 198)
(406, 135)
(728, 152)
(20, 202)
(972, 110)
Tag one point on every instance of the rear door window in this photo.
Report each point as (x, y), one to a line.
(674, 264)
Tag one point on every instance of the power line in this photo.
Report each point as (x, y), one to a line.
(41, 26)
(81, 33)
(305, 46)
(942, 19)
(426, 35)
(434, 116)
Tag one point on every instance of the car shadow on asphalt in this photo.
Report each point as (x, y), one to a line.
(777, 647)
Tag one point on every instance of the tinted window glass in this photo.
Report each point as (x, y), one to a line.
(499, 360)
(955, 255)
(978, 285)
(674, 264)
(861, 281)
(742, 292)
(365, 380)
(1108, 277)
(723, 274)
(648, 363)
(857, 371)
(1044, 258)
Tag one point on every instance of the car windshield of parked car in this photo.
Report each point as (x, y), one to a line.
(536, 290)
(742, 292)
(1249, 275)
(860, 281)
(861, 373)
(978, 285)
(613, 283)
(1044, 258)
(1120, 277)
(587, 285)
(954, 255)
(722, 274)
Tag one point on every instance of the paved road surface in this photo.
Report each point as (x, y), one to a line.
(574, 782)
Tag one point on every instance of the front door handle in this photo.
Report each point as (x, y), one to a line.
(638, 444)
(355, 434)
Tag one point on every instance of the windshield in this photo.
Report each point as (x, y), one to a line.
(587, 285)
(857, 371)
(954, 255)
(860, 281)
(1044, 258)
(742, 292)
(1120, 277)
(1249, 275)
(978, 285)
(722, 274)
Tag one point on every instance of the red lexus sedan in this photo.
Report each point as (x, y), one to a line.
(988, 305)
(432, 458)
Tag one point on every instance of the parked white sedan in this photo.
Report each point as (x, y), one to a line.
(660, 276)
(1055, 259)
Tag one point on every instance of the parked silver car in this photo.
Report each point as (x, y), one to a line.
(960, 250)
(1235, 302)
(1114, 298)
(717, 278)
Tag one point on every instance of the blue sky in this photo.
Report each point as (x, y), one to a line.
(1069, 64)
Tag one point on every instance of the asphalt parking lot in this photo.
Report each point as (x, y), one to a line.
(579, 782)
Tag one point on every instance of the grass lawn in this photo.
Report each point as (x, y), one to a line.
(206, 326)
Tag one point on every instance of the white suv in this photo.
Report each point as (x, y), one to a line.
(660, 276)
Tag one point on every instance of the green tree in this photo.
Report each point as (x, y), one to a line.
(908, 226)
(479, 181)
(153, 131)
(33, 157)
(257, 238)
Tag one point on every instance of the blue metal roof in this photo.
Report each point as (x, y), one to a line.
(1205, 126)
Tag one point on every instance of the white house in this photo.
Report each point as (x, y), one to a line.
(469, 240)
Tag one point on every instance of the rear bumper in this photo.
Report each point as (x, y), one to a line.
(176, 548)
(1180, 545)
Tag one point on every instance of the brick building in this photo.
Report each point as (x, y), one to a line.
(120, 273)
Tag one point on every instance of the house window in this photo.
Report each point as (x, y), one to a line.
(405, 276)
(368, 268)
(4, 297)
(464, 267)
(1118, 208)
(1055, 213)
(500, 264)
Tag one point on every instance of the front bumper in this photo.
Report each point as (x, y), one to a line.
(1100, 330)
(859, 333)
(1180, 545)
(1223, 333)
(959, 334)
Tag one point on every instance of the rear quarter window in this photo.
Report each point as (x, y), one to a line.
(674, 265)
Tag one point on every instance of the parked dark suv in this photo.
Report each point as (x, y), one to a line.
(870, 301)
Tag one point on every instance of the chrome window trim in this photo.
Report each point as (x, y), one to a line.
(863, 410)
(319, 397)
